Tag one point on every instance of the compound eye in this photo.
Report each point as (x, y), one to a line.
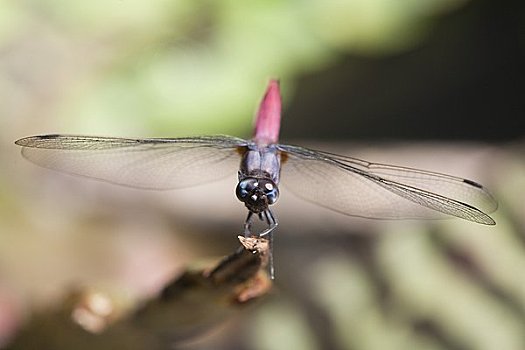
(272, 196)
(241, 193)
(272, 192)
(244, 188)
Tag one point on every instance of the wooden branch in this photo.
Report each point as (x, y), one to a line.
(185, 309)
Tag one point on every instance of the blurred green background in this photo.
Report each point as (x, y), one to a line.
(435, 84)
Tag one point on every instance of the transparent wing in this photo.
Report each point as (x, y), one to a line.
(358, 188)
(142, 163)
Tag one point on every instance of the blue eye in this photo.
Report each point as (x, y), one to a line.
(271, 191)
(241, 192)
(272, 196)
(244, 188)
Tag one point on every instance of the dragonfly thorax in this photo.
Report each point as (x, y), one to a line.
(257, 193)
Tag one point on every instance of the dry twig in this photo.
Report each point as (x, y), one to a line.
(185, 309)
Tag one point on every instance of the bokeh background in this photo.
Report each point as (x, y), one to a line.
(434, 84)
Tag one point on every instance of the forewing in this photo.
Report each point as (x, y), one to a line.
(142, 163)
(359, 188)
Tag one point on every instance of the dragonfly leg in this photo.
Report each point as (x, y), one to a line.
(272, 222)
(248, 225)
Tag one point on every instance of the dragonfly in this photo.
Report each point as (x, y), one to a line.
(341, 183)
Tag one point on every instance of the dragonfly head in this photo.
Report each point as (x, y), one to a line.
(256, 193)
